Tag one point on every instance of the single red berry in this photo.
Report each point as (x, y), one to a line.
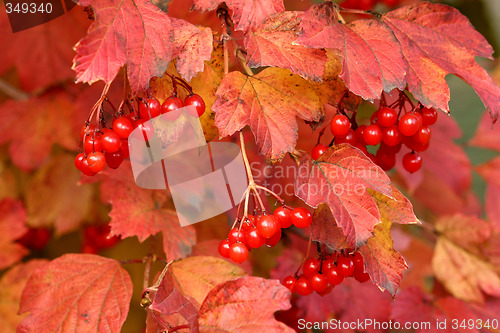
(96, 161)
(111, 142)
(318, 150)
(303, 286)
(311, 266)
(301, 217)
(423, 135)
(391, 135)
(391, 149)
(372, 157)
(78, 161)
(333, 276)
(122, 126)
(88, 130)
(359, 134)
(415, 146)
(238, 252)
(274, 239)
(429, 116)
(349, 138)
(253, 238)
(357, 259)
(412, 162)
(345, 266)
(282, 215)
(246, 225)
(373, 118)
(420, 119)
(35, 238)
(224, 246)
(326, 291)
(196, 101)
(86, 169)
(361, 276)
(267, 225)
(171, 104)
(385, 160)
(327, 264)
(236, 236)
(372, 135)
(409, 124)
(89, 248)
(340, 125)
(387, 117)
(113, 160)
(99, 236)
(361, 147)
(150, 109)
(290, 282)
(92, 143)
(318, 282)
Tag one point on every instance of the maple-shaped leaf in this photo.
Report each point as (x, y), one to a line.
(42, 55)
(142, 213)
(12, 227)
(41, 117)
(486, 136)
(245, 305)
(269, 103)
(426, 42)
(77, 292)
(246, 14)
(271, 44)
(55, 198)
(12, 284)
(458, 262)
(340, 178)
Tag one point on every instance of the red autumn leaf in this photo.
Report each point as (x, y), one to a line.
(77, 292)
(41, 117)
(487, 135)
(246, 14)
(140, 212)
(42, 55)
(245, 305)
(458, 262)
(490, 171)
(192, 45)
(12, 227)
(179, 305)
(269, 103)
(426, 42)
(340, 178)
(12, 284)
(271, 44)
(325, 230)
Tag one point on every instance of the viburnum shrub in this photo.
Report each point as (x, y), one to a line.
(342, 118)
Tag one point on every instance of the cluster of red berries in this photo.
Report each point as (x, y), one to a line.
(96, 238)
(109, 146)
(368, 4)
(35, 238)
(253, 232)
(388, 131)
(322, 275)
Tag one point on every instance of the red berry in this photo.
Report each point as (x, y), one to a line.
(318, 282)
(99, 236)
(385, 160)
(301, 217)
(423, 135)
(290, 282)
(122, 126)
(171, 104)
(390, 149)
(196, 101)
(113, 160)
(89, 248)
(78, 161)
(327, 264)
(349, 138)
(274, 239)
(236, 236)
(357, 259)
(150, 109)
(373, 118)
(359, 134)
(267, 225)
(310, 267)
(86, 169)
(246, 225)
(282, 215)
(110, 142)
(238, 252)
(340, 125)
(409, 124)
(254, 239)
(87, 130)
(318, 150)
(372, 135)
(92, 143)
(303, 287)
(387, 117)
(35, 238)
(361, 276)
(391, 135)
(224, 246)
(125, 149)
(429, 116)
(333, 276)
(96, 161)
(412, 162)
(345, 266)
(326, 291)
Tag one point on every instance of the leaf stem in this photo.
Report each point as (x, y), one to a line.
(242, 60)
